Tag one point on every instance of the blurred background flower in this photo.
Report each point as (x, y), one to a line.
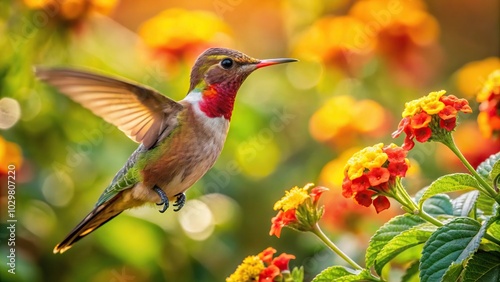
(69, 11)
(178, 34)
(471, 77)
(342, 121)
(489, 107)
(360, 62)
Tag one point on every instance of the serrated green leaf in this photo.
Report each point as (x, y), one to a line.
(452, 243)
(409, 238)
(453, 272)
(483, 266)
(486, 167)
(411, 274)
(485, 205)
(449, 183)
(385, 233)
(438, 205)
(495, 170)
(341, 274)
(331, 273)
(463, 204)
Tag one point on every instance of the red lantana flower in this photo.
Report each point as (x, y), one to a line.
(430, 118)
(371, 173)
(263, 268)
(281, 220)
(298, 209)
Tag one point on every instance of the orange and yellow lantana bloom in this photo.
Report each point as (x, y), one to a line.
(372, 172)
(430, 117)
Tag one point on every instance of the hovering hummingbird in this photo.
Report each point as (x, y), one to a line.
(179, 141)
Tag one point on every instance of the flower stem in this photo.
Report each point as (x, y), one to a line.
(427, 217)
(403, 198)
(319, 233)
(450, 143)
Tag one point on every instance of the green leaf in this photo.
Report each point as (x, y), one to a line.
(331, 273)
(449, 183)
(411, 274)
(452, 243)
(486, 167)
(495, 170)
(483, 266)
(385, 233)
(341, 274)
(493, 230)
(409, 238)
(453, 272)
(485, 204)
(463, 204)
(438, 205)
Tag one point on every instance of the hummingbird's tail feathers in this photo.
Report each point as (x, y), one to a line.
(95, 219)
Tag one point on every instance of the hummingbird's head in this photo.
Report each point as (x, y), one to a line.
(218, 74)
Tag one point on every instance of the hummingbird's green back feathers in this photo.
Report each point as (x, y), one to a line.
(126, 178)
(139, 111)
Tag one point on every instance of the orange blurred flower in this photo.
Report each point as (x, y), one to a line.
(404, 31)
(342, 120)
(72, 10)
(263, 267)
(10, 154)
(430, 118)
(471, 77)
(489, 97)
(332, 41)
(178, 33)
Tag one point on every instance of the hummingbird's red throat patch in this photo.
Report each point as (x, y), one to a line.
(217, 101)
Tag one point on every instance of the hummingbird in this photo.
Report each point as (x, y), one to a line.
(179, 141)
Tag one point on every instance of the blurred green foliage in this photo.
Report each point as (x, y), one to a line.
(69, 155)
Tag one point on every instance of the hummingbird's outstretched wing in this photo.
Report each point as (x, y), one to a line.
(140, 112)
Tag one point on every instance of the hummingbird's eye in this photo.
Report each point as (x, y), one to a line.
(226, 63)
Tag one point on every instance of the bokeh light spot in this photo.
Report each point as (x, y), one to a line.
(39, 218)
(10, 112)
(196, 220)
(58, 189)
(305, 75)
(259, 156)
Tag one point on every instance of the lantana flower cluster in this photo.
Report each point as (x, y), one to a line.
(489, 97)
(430, 118)
(372, 172)
(298, 209)
(262, 267)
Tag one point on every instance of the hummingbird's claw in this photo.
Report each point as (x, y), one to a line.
(163, 197)
(179, 203)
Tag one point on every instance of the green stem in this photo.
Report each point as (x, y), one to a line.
(492, 239)
(410, 204)
(319, 233)
(402, 196)
(427, 217)
(450, 143)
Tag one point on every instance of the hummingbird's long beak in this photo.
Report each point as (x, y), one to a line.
(270, 62)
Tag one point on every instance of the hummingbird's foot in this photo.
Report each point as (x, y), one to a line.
(163, 197)
(181, 200)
